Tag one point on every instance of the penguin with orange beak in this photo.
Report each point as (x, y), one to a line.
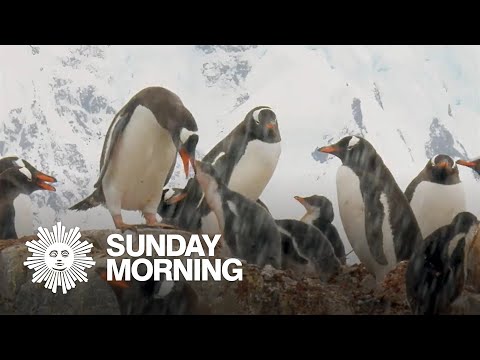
(436, 195)
(320, 214)
(139, 155)
(472, 164)
(17, 176)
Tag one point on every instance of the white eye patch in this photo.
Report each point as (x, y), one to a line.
(20, 163)
(218, 157)
(257, 112)
(353, 141)
(26, 172)
(434, 159)
(185, 135)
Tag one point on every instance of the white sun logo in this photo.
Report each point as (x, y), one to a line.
(59, 258)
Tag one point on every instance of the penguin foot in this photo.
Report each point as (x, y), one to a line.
(119, 224)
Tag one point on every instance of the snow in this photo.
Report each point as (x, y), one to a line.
(311, 88)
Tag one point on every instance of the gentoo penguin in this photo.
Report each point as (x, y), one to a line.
(376, 216)
(473, 164)
(436, 272)
(14, 181)
(320, 214)
(245, 161)
(139, 154)
(142, 297)
(311, 244)
(436, 195)
(248, 230)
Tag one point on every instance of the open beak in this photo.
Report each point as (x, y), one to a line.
(186, 159)
(329, 149)
(469, 164)
(42, 181)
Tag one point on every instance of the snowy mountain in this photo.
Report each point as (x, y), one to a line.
(410, 102)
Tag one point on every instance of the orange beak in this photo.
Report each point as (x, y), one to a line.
(443, 165)
(115, 283)
(42, 180)
(328, 149)
(300, 200)
(270, 126)
(186, 161)
(469, 164)
(176, 198)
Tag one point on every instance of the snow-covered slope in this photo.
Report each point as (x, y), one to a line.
(410, 102)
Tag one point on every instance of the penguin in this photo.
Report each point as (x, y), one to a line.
(312, 245)
(473, 164)
(16, 180)
(142, 297)
(139, 155)
(436, 195)
(436, 273)
(248, 230)
(245, 161)
(320, 214)
(376, 216)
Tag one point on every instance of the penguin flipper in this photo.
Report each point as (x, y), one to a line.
(114, 132)
(94, 199)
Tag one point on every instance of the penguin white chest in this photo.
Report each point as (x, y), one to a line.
(352, 214)
(255, 168)
(139, 165)
(435, 205)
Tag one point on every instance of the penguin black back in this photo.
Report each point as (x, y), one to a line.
(248, 229)
(310, 244)
(437, 270)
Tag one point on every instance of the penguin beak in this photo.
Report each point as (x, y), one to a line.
(186, 159)
(177, 198)
(300, 200)
(329, 149)
(42, 180)
(270, 125)
(120, 284)
(443, 165)
(469, 164)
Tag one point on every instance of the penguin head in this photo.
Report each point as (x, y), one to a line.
(463, 222)
(318, 205)
(26, 179)
(354, 151)
(473, 164)
(441, 168)
(262, 124)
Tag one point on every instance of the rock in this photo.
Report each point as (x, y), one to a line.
(473, 264)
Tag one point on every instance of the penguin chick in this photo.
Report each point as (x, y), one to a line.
(436, 195)
(14, 181)
(436, 273)
(311, 244)
(248, 229)
(320, 214)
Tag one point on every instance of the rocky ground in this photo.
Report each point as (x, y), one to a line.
(262, 291)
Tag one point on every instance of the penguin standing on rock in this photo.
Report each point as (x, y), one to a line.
(244, 160)
(437, 271)
(139, 154)
(320, 214)
(16, 180)
(436, 195)
(376, 216)
(248, 230)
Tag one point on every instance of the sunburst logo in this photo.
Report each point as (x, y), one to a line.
(59, 258)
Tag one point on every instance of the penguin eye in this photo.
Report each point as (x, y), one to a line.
(353, 141)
